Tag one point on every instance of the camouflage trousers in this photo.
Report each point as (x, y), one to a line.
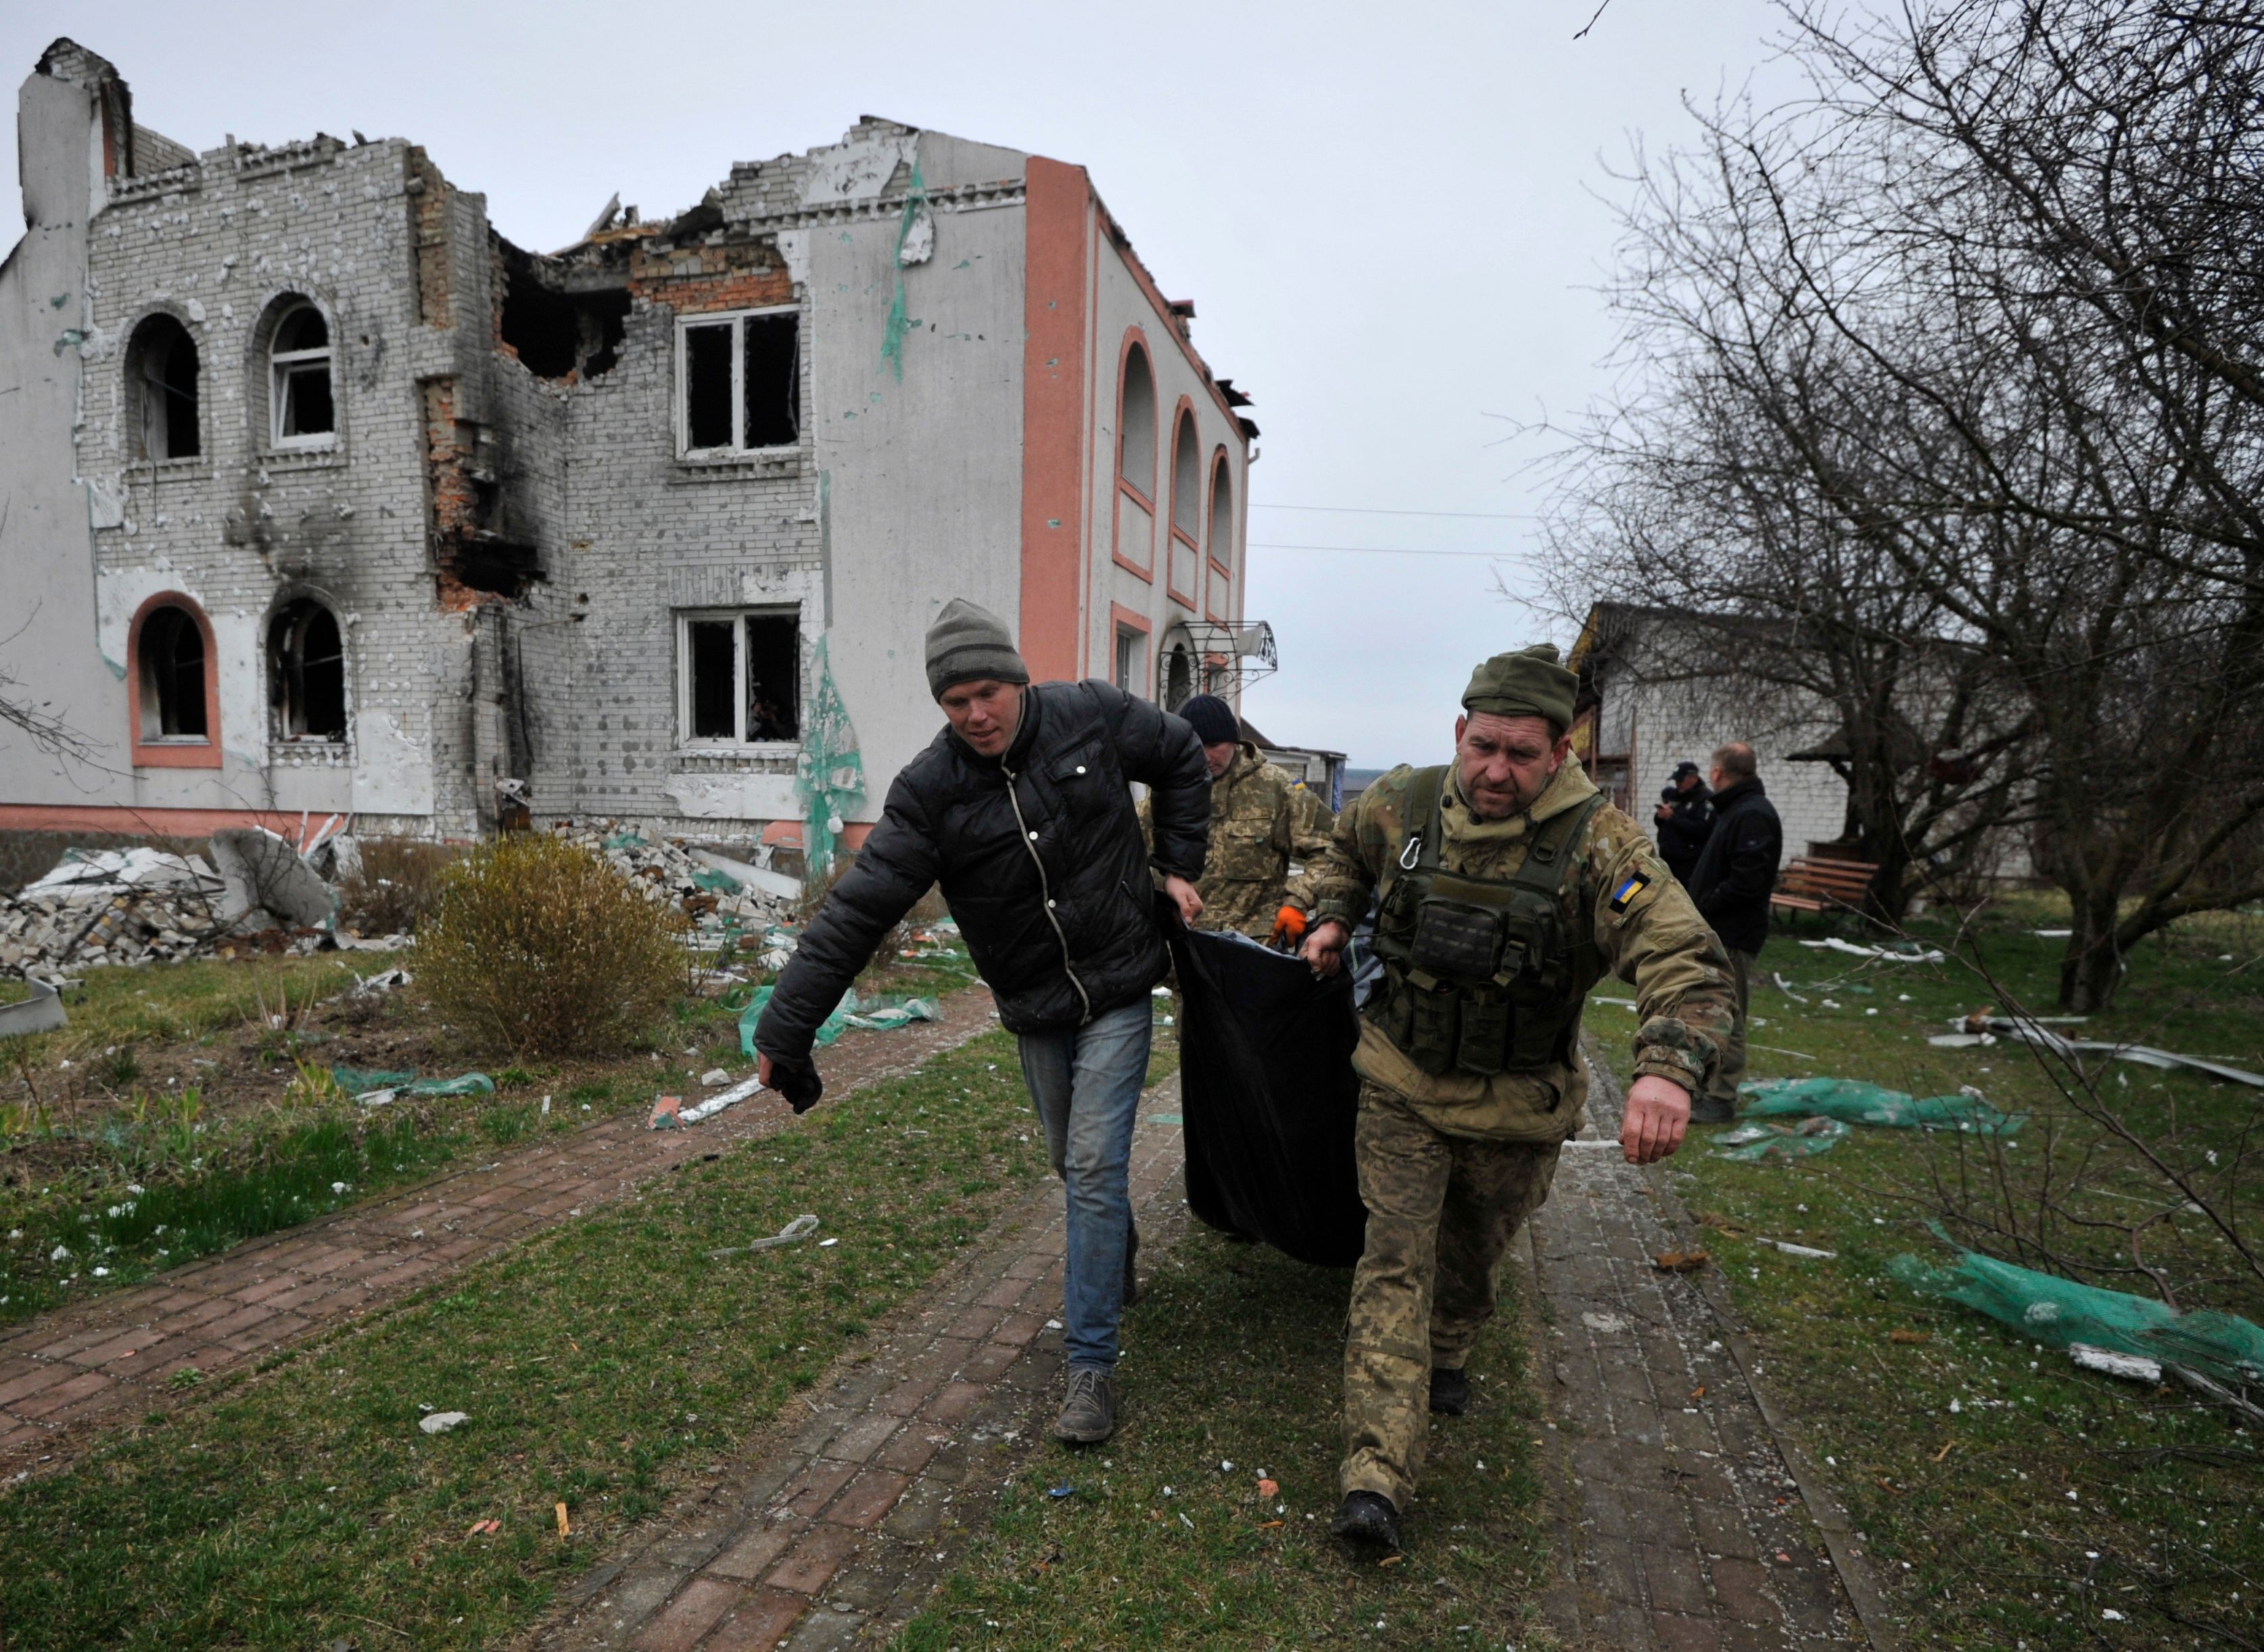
(1721, 1081)
(1441, 1209)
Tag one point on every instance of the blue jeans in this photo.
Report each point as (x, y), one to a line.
(1086, 1086)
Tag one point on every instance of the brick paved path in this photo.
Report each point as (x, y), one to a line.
(834, 1535)
(1681, 1511)
(66, 1373)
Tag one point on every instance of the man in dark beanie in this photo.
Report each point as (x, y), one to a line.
(1261, 821)
(1686, 820)
(1021, 810)
(1507, 888)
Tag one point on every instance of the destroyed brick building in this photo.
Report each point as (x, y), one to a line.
(317, 495)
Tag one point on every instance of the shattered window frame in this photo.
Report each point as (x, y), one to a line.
(164, 373)
(785, 702)
(287, 369)
(737, 322)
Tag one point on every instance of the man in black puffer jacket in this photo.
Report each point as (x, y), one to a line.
(1022, 811)
(1730, 886)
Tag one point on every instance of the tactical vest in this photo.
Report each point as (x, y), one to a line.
(1479, 974)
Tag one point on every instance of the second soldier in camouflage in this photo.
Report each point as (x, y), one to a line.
(1508, 888)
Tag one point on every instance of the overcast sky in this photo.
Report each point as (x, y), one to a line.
(1389, 221)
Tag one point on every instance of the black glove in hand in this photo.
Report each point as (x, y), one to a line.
(799, 1084)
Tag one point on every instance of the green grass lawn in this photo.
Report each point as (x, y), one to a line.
(1232, 1370)
(109, 1173)
(2009, 1499)
(601, 1363)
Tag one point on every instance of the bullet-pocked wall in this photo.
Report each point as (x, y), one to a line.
(329, 499)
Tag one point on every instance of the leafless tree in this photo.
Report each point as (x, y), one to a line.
(1955, 369)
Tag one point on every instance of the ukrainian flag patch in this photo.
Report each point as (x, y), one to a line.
(1625, 895)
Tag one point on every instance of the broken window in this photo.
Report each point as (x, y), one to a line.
(171, 659)
(307, 673)
(160, 390)
(742, 380)
(1132, 660)
(742, 676)
(301, 409)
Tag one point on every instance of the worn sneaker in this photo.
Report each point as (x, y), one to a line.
(1088, 1415)
(1450, 1392)
(1368, 1519)
(1131, 1256)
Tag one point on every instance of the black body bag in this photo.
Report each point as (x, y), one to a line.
(1269, 1096)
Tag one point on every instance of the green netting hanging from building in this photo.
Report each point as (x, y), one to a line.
(829, 777)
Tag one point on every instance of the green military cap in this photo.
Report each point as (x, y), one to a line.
(1526, 683)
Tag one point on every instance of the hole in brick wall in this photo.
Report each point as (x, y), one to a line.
(555, 332)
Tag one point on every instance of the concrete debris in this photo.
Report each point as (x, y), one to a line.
(136, 907)
(441, 1422)
(725, 899)
(42, 1012)
(714, 1104)
(261, 871)
(2129, 1368)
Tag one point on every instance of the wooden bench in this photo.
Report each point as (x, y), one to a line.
(1812, 883)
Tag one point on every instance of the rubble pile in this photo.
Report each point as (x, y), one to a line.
(725, 899)
(140, 906)
(134, 906)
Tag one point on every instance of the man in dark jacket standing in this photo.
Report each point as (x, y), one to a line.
(1732, 884)
(1684, 815)
(1022, 811)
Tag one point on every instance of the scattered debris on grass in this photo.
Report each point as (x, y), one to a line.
(667, 1114)
(1758, 1142)
(441, 1422)
(1903, 953)
(1984, 1028)
(714, 1104)
(1680, 1261)
(793, 1233)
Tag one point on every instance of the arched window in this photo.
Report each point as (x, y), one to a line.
(301, 410)
(1136, 463)
(1187, 508)
(170, 669)
(1178, 677)
(1219, 545)
(307, 672)
(162, 390)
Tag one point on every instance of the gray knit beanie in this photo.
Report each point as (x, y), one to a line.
(968, 642)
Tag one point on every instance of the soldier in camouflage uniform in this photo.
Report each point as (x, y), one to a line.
(1509, 888)
(1261, 821)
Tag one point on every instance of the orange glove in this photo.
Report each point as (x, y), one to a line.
(1288, 927)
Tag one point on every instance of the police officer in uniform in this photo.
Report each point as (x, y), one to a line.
(1262, 823)
(1508, 888)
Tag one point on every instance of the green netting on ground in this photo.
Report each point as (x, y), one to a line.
(2058, 1312)
(829, 775)
(874, 1015)
(360, 1081)
(356, 1081)
(1803, 1140)
(1855, 1102)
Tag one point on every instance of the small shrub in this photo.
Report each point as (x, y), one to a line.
(537, 948)
(397, 886)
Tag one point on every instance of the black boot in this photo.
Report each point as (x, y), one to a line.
(1450, 1392)
(1131, 1256)
(1368, 1519)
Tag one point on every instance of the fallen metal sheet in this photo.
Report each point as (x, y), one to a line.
(2029, 1032)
